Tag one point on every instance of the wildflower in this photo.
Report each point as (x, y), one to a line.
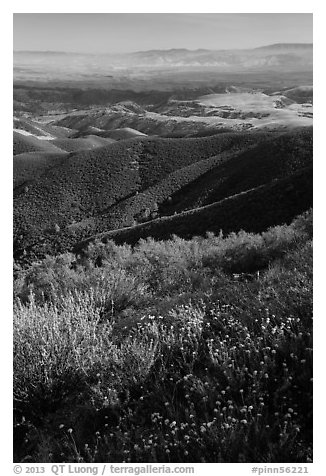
(61, 426)
(69, 430)
(244, 422)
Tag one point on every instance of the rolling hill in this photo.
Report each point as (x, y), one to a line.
(29, 143)
(83, 143)
(30, 166)
(253, 210)
(136, 180)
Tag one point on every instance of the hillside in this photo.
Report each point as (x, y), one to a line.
(253, 210)
(41, 129)
(111, 134)
(28, 143)
(235, 108)
(89, 182)
(85, 143)
(30, 166)
(92, 192)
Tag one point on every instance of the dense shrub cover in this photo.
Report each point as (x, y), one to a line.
(111, 187)
(175, 351)
(30, 166)
(272, 159)
(253, 210)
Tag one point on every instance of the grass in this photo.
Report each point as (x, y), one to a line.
(175, 351)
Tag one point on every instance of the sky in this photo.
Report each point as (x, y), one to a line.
(127, 32)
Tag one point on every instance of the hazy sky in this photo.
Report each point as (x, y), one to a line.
(117, 32)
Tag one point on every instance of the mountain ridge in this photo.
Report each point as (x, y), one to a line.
(203, 50)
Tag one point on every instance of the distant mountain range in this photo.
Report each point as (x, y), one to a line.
(281, 56)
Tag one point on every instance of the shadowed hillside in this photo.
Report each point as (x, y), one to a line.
(253, 211)
(138, 180)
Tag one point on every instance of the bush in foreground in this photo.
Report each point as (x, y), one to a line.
(162, 353)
